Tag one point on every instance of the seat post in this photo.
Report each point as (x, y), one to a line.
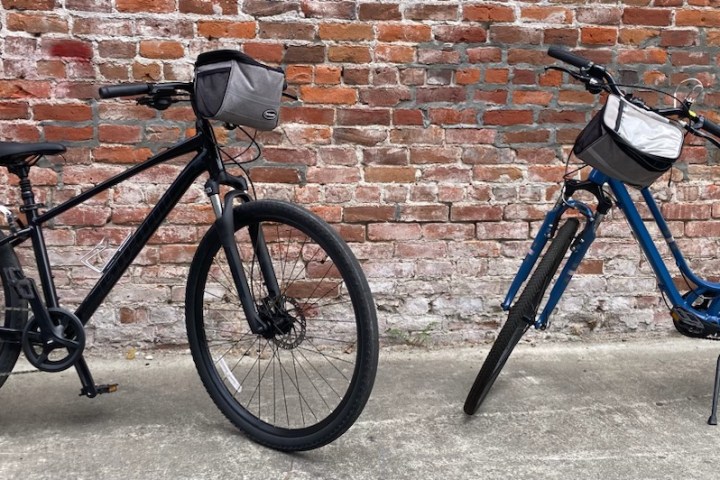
(29, 206)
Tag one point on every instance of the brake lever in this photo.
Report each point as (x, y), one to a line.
(592, 84)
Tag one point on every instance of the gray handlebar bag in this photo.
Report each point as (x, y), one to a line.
(629, 143)
(234, 88)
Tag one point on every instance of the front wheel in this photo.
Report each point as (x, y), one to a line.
(521, 314)
(305, 384)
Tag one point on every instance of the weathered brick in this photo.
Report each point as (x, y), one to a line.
(145, 6)
(226, 29)
(379, 11)
(161, 49)
(345, 31)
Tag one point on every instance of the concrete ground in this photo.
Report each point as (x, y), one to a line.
(631, 410)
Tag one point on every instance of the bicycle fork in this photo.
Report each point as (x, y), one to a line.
(578, 249)
(225, 225)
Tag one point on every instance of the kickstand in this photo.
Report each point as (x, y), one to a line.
(713, 414)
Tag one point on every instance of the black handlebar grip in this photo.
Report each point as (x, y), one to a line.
(567, 57)
(125, 90)
(711, 127)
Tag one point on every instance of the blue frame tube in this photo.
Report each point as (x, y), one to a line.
(665, 282)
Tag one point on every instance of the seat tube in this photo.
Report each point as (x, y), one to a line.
(42, 261)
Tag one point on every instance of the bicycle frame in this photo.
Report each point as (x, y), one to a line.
(206, 159)
(586, 237)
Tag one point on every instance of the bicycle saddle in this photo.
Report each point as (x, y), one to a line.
(12, 153)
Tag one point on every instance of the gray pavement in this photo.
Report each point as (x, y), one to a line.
(625, 410)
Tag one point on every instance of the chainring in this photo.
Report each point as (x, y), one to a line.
(53, 355)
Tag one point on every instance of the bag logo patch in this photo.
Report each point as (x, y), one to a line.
(269, 115)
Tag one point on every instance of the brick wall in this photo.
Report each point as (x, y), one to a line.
(429, 133)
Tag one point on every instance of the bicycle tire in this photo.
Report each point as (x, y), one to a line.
(526, 307)
(15, 313)
(334, 333)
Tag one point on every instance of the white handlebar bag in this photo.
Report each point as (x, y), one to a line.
(235, 88)
(629, 143)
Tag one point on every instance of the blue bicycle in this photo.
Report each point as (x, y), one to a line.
(627, 142)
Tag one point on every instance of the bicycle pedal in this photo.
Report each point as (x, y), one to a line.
(99, 390)
(107, 388)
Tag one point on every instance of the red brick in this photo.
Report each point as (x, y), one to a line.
(349, 54)
(67, 48)
(151, 6)
(379, 11)
(265, 52)
(268, 8)
(207, 7)
(460, 33)
(476, 213)
(516, 35)
(345, 31)
(67, 134)
(363, 116)
(120, 133)
(678, 38)
(85, 216)
(274, 175)
(637, 36)
(488, 13)
(37, 24)
(287, 30)
(647, 16)
(422, 12)
(395, 53)
(30, 4)
(374, 213)
(598, 35)
(508, 117)
(327, 75)
(328, 95)
(546, 15)
(163, 49)
(404, 33)
(121, 155)
(14, 110)
(384, 97)
(390, 174)
(226, 29)
(309, 115)
(63, 112)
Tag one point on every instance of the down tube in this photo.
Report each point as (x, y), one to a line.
(643, 237)
(125, 256)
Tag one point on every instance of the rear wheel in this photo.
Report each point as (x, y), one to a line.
(13, 313)
(303, 384)
(521, 315)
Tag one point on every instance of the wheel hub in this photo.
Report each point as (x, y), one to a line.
(285, 320)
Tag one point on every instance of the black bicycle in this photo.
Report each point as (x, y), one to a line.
(280, 320)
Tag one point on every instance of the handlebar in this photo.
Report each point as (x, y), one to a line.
(710, 127)
(597, 79)
(125, 90)
(568, 57)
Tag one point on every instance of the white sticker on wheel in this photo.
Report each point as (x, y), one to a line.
(229, 376)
